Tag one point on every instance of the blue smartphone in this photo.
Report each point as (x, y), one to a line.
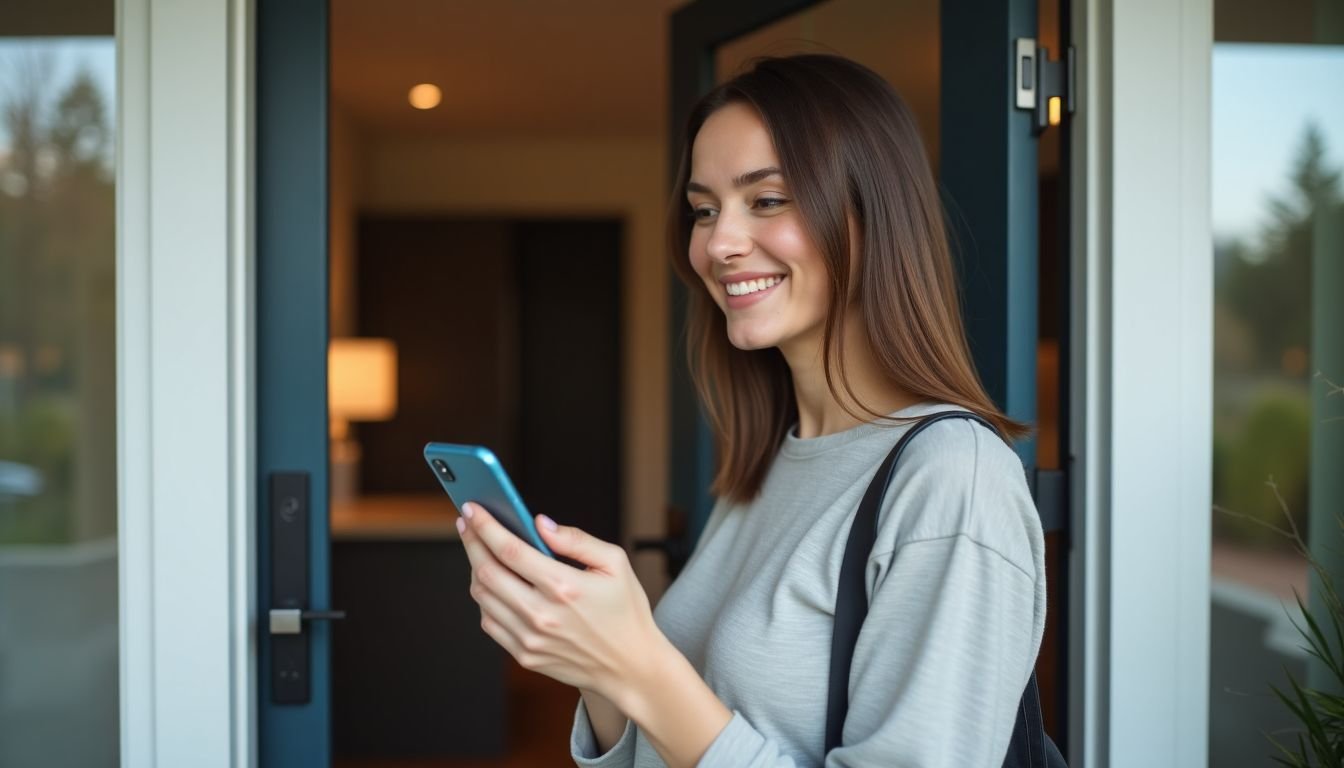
(472, 473)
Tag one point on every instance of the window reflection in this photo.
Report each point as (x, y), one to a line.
(1278, 147)
(58, 512)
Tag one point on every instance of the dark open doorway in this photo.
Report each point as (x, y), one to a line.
(508, 335)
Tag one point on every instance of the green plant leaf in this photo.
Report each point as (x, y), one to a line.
(1320, 647)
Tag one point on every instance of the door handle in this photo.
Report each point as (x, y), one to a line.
(289, 621)
(290, 663)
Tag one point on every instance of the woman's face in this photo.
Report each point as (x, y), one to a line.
(748, 242)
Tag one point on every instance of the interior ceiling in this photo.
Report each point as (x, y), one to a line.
(578, 68)
(581, 68)
(585, 69)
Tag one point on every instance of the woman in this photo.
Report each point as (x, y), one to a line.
(823, 322)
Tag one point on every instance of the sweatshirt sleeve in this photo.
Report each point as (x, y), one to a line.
(584, 749)
(938, 671)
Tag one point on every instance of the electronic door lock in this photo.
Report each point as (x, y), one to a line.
(290, 663)
(289, 621)
(1041, 81)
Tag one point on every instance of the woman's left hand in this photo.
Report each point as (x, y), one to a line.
(591, 629)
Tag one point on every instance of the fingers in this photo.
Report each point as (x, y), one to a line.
(487, 572)
(515, 645)
(513, 552)
(579, 545)
(510, 607)
(503, 624)
(501, 634)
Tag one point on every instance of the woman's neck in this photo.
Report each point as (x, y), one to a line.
(821, 412)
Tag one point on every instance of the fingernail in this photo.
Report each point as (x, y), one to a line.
(546, 522)
(467, 510)
(461, 525)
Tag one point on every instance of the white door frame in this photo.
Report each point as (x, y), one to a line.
(184, 382)
(1143, 356)
(1142, 311)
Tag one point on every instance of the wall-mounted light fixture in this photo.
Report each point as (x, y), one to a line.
(425, 96)
(361, 386)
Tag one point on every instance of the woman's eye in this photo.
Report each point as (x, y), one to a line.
(706, 214)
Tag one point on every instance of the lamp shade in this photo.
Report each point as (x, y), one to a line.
(362, 379)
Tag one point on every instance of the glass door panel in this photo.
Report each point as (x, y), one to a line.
(1278, 227)
(58, 441)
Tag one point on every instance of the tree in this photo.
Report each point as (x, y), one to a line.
(28, 80)
(58, 164)
(1268, 285)
(57, 285)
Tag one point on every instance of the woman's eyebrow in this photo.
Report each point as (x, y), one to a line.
(745, 180)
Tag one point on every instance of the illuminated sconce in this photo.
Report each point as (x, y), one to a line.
(361, 386)
(425, 96)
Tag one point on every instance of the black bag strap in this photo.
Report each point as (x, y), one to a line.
(1029, 745)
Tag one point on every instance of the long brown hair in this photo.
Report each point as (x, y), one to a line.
(849, 147)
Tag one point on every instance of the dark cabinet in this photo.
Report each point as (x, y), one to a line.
(412, 673)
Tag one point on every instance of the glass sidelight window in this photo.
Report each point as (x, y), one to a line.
(1278, 225)
(58, 458)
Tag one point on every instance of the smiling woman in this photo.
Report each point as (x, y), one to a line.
(747, 232)
(835, 201)
(824, 324)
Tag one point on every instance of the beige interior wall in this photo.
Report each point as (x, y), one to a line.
(623, 178)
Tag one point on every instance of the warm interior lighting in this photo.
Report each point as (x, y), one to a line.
(361, 382)
(1054, 110)
(361, 386)
(426, 96)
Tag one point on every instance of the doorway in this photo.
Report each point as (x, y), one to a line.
(507, 240)
(523, 139)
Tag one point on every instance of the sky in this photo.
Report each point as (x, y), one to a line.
(1263, 97)
(68, 55)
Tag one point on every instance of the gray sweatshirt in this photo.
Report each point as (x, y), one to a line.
(956, 588)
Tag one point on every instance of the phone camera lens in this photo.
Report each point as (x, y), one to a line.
(444, 471)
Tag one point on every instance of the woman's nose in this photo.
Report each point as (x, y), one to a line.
(728, 239)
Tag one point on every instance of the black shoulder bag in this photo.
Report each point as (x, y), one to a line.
(1030, 747)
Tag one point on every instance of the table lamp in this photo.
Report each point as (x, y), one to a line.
(361, 386)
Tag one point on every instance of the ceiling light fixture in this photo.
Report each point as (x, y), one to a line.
(426, 96)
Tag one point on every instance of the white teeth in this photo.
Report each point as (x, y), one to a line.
(751, 286)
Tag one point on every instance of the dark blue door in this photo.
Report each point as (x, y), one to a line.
(293, 707)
